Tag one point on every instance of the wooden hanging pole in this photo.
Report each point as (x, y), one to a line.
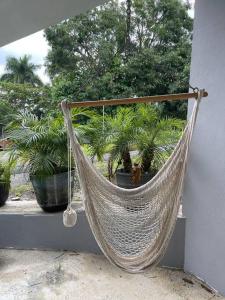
(159, 98)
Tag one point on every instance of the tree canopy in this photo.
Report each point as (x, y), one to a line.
(21, 70)
(122, 49)
(18, 96)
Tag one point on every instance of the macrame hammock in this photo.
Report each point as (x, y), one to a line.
(131, 226)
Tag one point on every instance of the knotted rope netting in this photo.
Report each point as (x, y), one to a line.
(133, 226)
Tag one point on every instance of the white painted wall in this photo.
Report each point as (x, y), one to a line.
(204, 195)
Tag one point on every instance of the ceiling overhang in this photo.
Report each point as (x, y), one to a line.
(23, 17)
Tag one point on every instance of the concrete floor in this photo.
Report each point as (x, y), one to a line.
(49, 275)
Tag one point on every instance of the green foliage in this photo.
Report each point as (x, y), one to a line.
(120, 49)
(21, 88)
(24, 96)
(113, 52)
(121, 136)
(21, 70)
(93, 134)
(155, 136)
(7, 112)
(5, 168)
(40, 144)
(138, 128)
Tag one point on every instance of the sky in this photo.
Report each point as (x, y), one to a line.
(36, 46)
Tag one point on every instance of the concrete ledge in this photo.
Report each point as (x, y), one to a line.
(46, 232)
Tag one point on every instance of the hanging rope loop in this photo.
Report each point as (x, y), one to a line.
(69, 215)
(195, 90)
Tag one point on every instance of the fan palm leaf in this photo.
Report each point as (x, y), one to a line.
(39, 144)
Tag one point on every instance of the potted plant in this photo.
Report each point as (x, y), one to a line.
(112, 136)
(155, 139)
(4, 182)
(40, 146)
(122, 133)
(138, 130)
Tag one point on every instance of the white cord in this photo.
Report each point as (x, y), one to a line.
(69, 173)
(69, 215)
(103, 116)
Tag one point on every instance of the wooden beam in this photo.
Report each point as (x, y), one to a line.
(159, 98)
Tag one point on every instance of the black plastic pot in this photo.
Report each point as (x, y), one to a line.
(4, 192)
(124, 180)
(51, 191)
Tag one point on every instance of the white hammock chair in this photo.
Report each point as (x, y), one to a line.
(132, 226)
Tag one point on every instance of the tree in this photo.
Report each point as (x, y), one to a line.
(37, 100)
(21, 71)
(128, 28)
(7, 113)
(122, 49)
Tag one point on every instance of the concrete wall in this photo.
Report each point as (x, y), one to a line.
(46, 232)
(204, 195)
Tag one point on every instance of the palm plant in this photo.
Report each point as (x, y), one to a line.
(113, 135)
(21, 70)
(121, 136)
(41, 144)
(155, 136)
(140, 129)
(94, 134)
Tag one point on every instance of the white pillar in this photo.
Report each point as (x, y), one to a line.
(204, 194)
